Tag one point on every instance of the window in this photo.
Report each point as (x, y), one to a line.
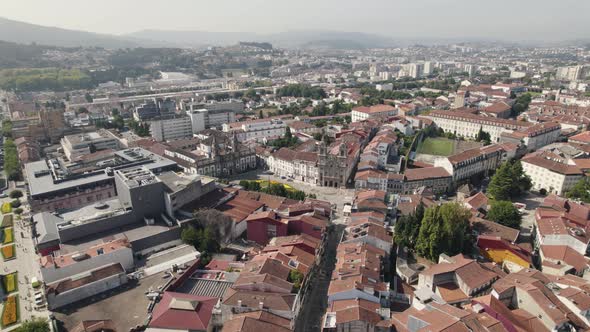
(271, 231)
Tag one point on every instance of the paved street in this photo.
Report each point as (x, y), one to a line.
(316, 301)
(532, 202)
(336, 196)
(26, 264)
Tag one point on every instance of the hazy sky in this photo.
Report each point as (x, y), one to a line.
(505, 19)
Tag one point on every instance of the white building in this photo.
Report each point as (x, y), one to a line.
(79, 145)
(367, 112)
(171, 128)
(468, 125)
(477, 161)
(258, 130)
(550, 172)
(415, 70)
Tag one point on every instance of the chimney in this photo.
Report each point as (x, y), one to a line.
(239, 303)
(260, 305)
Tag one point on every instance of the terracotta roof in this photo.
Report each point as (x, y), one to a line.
(252, 299)
(418, 174)
(451, 293)
(538, 160)
(477, 201)
(183, 312)
(499, 107)
(374, 109)
(581, 137)
(246, 323)
(99, 249)
(240, 208)
(565, 254)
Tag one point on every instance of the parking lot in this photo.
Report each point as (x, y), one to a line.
(125, 306)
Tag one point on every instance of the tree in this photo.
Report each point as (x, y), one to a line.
(16, 194)
(483, 136)
(34, 325)
(18, 211)
(189, 235)
(15, 203)
(88, 97)
(407, 228)
(444, 229)
(220, 224)
(509, 182)
(7, 128)
(581, 191)
(11, 162)
(260, 115)
(296, 278)
(505, 213)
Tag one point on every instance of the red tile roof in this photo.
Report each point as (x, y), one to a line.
(183, 312)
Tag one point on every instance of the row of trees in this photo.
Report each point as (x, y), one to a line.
(301, 90)
(521, 104)
(373, 96)
(276, 189)
(436, 230)
(288, 140)
(11, 163)
(141, 129)
(6, 128)
(36, 79)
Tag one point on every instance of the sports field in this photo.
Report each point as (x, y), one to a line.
(436, 146)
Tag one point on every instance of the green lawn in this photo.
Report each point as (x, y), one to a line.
(436, 146)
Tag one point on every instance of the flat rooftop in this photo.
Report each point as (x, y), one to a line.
(88, 137)
(131, 232)
(93, 212)
(176, 182)
(42, 179)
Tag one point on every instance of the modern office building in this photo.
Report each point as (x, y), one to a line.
(167, 128)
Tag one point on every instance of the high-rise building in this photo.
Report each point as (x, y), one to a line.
(470, 69)
(416, 70)
(171, 128)
(428, 67)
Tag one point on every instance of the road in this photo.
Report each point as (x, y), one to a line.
(26, 263)
(316, 301)
(532, 202)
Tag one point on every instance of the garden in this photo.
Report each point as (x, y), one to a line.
(6, 208)
(10, 311)
(275, 188)
(10, 283)
(8, 252)
(7, 235)
(7, 221)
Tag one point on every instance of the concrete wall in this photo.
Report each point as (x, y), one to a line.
(101, 225)
(173, 234)
(59, 300)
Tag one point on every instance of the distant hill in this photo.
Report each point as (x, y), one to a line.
(310, 38)
(194, 38)
(26, 33)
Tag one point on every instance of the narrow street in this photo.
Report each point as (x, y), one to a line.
(316, 301)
